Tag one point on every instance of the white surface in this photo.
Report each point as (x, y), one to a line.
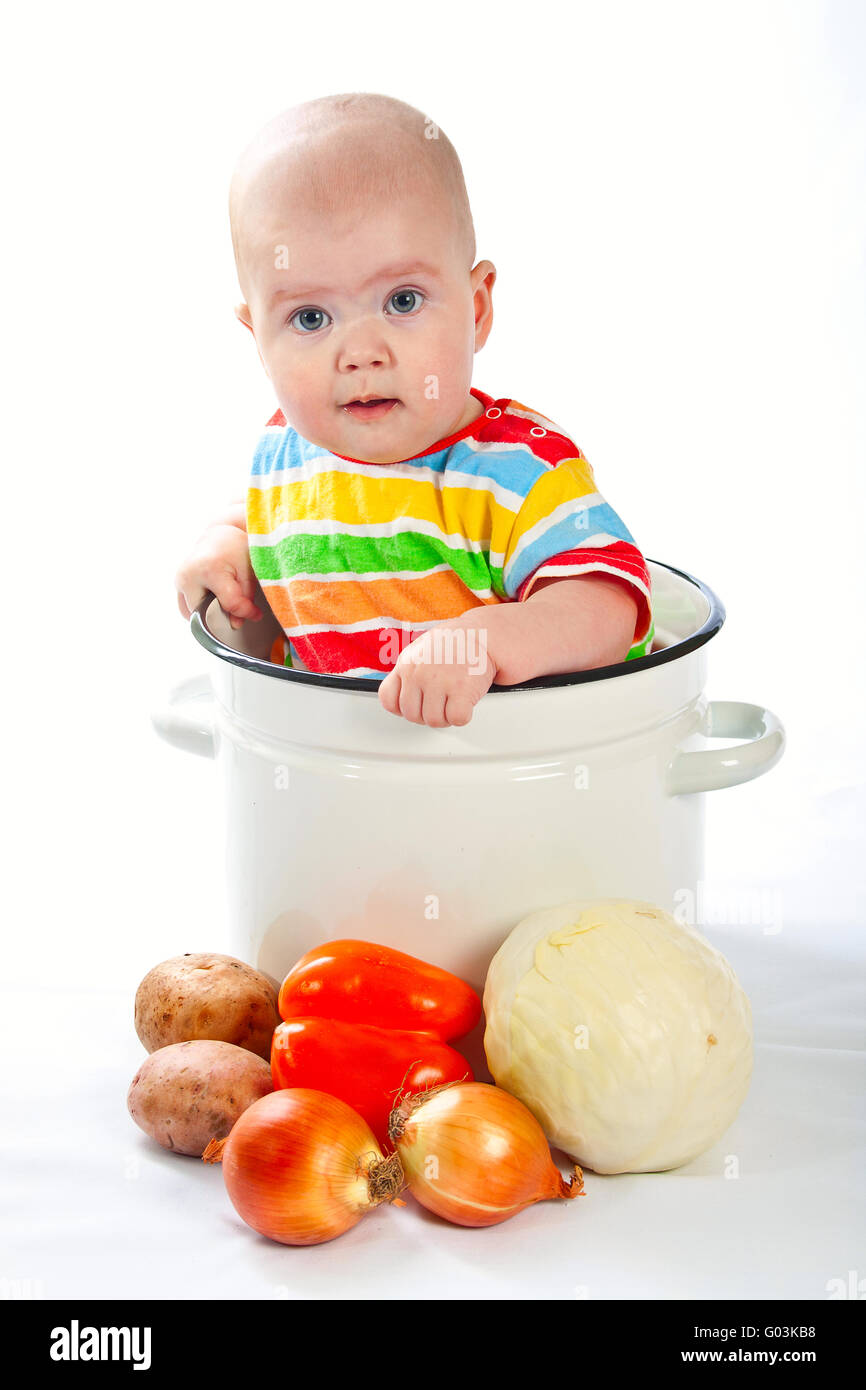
(683, 291)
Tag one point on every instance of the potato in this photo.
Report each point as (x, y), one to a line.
(188, 1093)
(201, 995)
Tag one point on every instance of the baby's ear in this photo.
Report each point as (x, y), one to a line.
(242, 312)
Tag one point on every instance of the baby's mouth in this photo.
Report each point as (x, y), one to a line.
(373, 409)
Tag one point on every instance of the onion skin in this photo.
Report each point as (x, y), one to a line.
(475, 1155)
(304, 1167)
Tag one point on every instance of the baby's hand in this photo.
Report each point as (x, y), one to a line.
(440, 677)
(221, 563)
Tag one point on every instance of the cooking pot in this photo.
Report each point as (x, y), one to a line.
(342, 820)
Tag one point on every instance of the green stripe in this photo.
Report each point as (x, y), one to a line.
(408, 550)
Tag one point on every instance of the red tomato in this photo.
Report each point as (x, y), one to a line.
(362, 1065)
(360, 982)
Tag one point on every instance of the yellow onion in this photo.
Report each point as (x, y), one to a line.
(302, 1167)
(474, 1154)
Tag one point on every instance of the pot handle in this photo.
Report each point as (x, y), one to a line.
(187, 718)
(708, 769)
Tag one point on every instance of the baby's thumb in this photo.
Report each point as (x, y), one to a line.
(248, 588)
(238, 602)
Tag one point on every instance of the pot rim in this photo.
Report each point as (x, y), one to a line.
(368, 684)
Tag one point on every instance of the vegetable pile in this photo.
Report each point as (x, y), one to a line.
(612, 1031)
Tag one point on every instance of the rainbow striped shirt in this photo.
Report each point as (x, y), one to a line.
(351, 555)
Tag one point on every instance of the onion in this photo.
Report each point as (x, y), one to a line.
(474, 1154)
(302, 1167)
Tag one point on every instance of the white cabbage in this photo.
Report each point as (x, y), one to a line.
(626, 1033)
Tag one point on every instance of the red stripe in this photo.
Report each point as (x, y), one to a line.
(622, 556)
(550, 448)
(335, 652)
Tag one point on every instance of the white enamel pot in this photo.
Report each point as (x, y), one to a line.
(343, 820)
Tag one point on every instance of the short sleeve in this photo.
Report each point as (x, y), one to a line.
(565, 528)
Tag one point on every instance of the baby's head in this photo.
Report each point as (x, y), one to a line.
(355, 252)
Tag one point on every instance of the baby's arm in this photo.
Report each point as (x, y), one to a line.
(220, 562)
(568, 624)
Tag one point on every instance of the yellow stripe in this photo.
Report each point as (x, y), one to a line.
(570, 479)
(355, 501)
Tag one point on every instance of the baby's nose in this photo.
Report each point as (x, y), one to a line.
(365, 348)
(365, 360)
(360, 359)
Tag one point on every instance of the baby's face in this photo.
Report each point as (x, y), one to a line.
(367, 303)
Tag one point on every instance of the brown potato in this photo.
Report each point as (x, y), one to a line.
(201, 995)
(188, 1093)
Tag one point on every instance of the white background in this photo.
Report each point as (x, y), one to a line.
(673, 196)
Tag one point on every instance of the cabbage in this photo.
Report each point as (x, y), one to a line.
(626, 1033)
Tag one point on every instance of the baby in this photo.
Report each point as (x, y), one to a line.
(401, 523)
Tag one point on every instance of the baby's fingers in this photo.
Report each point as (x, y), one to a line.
(458, 709)
(411, 696)
(234, 598)
(433, 707)
(241, 609)
(189, 593)
(389, 692)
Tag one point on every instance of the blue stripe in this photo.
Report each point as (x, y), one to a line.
(565, 535)
(516, 469)
(285, 449)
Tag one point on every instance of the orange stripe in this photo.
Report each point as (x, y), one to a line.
(308, 602)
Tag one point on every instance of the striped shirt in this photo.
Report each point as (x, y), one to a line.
(357, 559)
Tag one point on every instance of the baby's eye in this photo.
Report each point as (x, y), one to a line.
(304, 315)
(400, 297)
